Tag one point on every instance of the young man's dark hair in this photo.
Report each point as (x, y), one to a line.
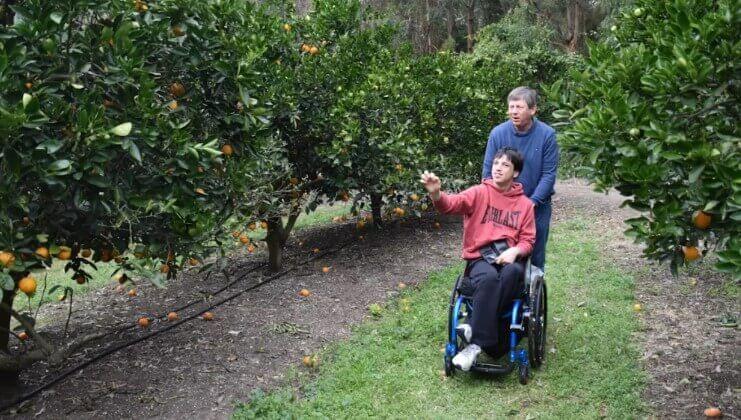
(514, 157)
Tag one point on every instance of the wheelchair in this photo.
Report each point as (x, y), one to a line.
(527, 319)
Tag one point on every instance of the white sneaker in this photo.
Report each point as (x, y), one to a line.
(466, 357)
(465, 332)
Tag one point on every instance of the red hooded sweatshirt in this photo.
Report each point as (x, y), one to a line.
(490, 214)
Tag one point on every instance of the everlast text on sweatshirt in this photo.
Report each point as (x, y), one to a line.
(490, 214)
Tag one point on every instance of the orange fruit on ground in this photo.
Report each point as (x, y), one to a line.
(691, 253)
(399, 211)
(313, 50)
(244, 239)
(80, 279)
(43, 252)
(227, 149)
(325, 269)
(637, 307)
(286, 27)
(132, 293)
(122, 278)
(164, 269)
(304, 293)
(193, 261)
(402, 285)
(172, 316)
(701, 219)
(23, 336)
(119, 288)
(27, 285)
(6, 258)
(414, 197)
(712, 412)
(306, 361)
(264, 224)
(361, 237)
(86, 253)
(305, 48)
(65, 253)
(177, 89)
(143, 322)
(208, 316)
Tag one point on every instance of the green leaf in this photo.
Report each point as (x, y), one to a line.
(135, 153)
(695, 174)
(122, 130)
(60, 165)
(56, 17)
(6, 281)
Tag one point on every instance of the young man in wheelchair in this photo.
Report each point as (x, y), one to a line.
(496, 210)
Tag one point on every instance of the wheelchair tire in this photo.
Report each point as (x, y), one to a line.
(537, 324)
(523, 373)
(449, 368)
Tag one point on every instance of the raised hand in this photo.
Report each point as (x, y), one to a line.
(431, 183)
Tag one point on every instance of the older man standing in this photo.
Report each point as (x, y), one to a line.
(536, 141)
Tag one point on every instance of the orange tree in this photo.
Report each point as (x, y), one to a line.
(123, 124)
(655, 115)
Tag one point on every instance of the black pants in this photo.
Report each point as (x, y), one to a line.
(494, 288)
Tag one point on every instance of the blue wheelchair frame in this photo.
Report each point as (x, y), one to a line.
(527, 317)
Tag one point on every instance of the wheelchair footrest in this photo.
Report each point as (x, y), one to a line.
(493, 368)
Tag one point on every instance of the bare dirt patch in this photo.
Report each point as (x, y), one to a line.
(202, 367)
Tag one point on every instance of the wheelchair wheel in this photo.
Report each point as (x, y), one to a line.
(537, 323)
(449, 368)
(523, 374)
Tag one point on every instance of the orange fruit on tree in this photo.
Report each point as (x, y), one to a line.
(252, 226)
(360, 224)
(200, 191)
(178, 31)
(264, 224)
(437, 225)
(173, 105)
(399, 211)
(193, 261)
(305, 48)
(316, 250)
(244, 239)
(43, 252)
(304, 293)
(293, 181)
(143, 322)
(177, 89)
(712, 412)
(701, 219)
(235, 234)
(208, 316)
(172, 316)
(164, 269)
(28, 85)
(65, 253)
(691, 253)
(26, 221)
(23, 336)
(227, 149)
(27, 285)
(6, 258)
(414, 197)
(398, 167)
(251, 248)
(106, 255)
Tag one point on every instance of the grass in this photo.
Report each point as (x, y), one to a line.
(392, 366)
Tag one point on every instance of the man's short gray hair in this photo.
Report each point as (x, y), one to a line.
(524, 93)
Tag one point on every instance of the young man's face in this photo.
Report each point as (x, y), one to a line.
(502, 171)
(520, 114)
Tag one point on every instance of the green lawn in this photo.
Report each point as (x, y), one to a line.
(392, 367)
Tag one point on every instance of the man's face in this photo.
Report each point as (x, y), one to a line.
(502, 170)
(519, 113)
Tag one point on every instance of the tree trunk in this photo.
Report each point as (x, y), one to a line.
(451, 19)
(470, 10)
(7, 16)
(275, 245)
(8, 377)
(575, 22)
(376, 204)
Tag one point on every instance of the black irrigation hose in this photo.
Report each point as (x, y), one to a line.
(129, 343)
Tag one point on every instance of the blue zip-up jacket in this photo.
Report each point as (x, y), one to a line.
(540, 151)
